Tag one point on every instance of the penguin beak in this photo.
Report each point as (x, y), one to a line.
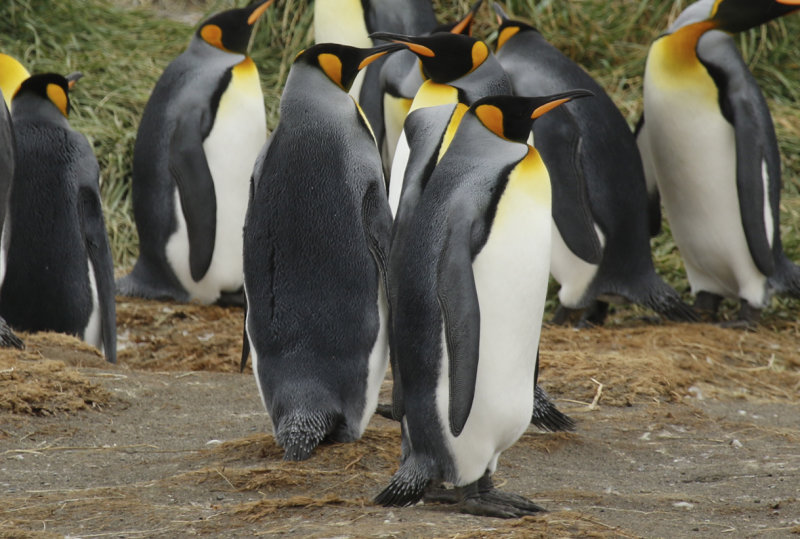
(555, 100)
(466, 22)
(501, 15)
(257, 12)
(377, 52)
(406, 41)
(789, 2)
(73, 78)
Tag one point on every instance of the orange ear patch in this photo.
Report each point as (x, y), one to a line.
(332, 66)
(480, 52)
(212, 34)
(506, 34)
(492, 118)
(58, 97)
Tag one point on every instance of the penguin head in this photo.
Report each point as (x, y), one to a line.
(464, 25)
(341, 63)
(511, 117)
(12, 73)
(445, 56)
(739, 15)
(507, 26)
(230, 30)
(51, 87)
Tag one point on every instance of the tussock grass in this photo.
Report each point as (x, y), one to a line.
(122, 48)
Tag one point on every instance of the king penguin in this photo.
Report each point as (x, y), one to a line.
(601, 244)
(467, 296)
(316, 242)
(458, 70)
(350, 22)
(709, 145)
(400, 79)
(55, 263)
(12, 73)
(200, 134)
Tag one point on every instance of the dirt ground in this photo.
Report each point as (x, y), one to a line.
(683, 430)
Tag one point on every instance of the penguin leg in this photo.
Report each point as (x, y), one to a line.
(595, 315)
(482, 499)
(385, 410)
(747, 318)
(564, 316)
(707, 304)
(231, 299)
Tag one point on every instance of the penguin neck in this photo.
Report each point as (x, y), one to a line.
(32, 108)
(677, 52)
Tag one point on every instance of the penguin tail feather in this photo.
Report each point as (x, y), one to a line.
(7, 337)
(300, 432)
(546, 416)
(408, 484)
(664, 300)
(786, 279)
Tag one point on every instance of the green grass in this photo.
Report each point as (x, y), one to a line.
(122, 50)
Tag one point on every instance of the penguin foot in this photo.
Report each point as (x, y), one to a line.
(706, 305)
(441, 494)
(593, 316)
(385, 410)
(747, 318)
(482, 499)
(564, 316)
(231, 299)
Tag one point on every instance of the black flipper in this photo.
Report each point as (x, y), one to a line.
(561, 152)
(458, 301)
(189, 169)
(300, 432)
(7, 337)
(546, 416)
(744, 107)
(408, 484)
(96, 240)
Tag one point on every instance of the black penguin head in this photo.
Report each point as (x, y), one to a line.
(341, 63)
(464, 25)
(508, 27)
(230, 30)
(511, 117)
(445, 56)
(51, 87)
(739, 15)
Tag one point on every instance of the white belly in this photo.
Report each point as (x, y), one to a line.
(693, 154)
(378, 362)
(511, 274)
(231, 148)
(395, 111)
(399, 165)
(572, 273)
(93, 332)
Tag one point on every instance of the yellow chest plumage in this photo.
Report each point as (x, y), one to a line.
(673, 65)
(528, 188)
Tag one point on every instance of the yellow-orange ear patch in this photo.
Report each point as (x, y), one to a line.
(332, 66)
(212, 34)
(492, 118)
(57, 95)
(480, 52)
(506, 34)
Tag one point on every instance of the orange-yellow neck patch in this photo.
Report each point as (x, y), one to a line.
(57, 95)
(452, 127)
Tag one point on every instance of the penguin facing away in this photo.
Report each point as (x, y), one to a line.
(709, 145)
(467, 295)
(601, 245)
(350, 22)
(459, 70)
(56, 267)
(399, 80)
(316, 243)
(200, 134)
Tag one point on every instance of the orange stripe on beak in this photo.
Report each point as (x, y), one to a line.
(251, 20)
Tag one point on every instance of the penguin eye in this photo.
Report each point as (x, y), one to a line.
(332, 66)
(58, 96)
(212, 34)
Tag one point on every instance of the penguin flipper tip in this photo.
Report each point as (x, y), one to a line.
(407, 485)
(547, 417)
(7, 337)
(300, 432)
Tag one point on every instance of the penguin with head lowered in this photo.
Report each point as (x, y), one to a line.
(459, 70)
(55, 263)
(316, 241)
(350, 22)
(709, 146)
(200, 134)
(601, 244)
(467, 295)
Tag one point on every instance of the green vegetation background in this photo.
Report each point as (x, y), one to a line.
(123, 46)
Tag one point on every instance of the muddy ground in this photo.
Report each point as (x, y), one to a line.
(683, 430)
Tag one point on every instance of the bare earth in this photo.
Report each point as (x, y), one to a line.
(683, 430)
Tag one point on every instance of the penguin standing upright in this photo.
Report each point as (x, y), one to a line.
(601, 244)
(316, 241)
(200, 134)
(708, 144)
(399, 80)
(350, 22)
(56, 267)
(467, 293)
(459, 70)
